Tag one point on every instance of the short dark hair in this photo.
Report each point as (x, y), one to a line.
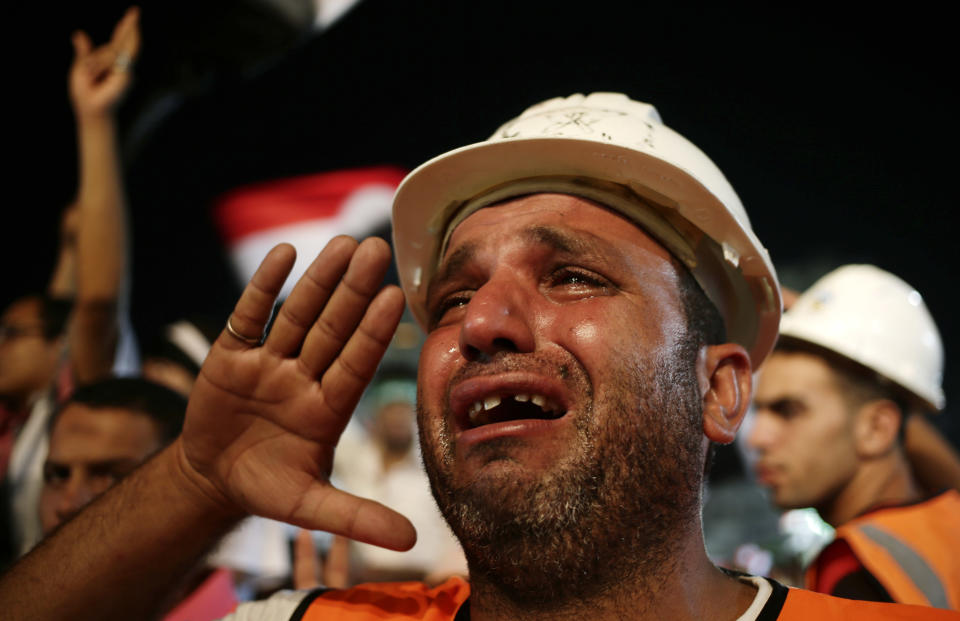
(163, 406)
(705, 325)
(857, 384)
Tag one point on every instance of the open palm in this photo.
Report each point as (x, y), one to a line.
(263, 420)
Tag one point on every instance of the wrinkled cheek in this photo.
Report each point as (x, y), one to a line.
(439, 359)
(585, 341)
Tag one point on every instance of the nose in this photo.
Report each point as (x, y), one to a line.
(74, 497)
(762, 431)
(498, 319)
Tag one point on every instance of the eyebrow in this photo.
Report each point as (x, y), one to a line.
(557, 239)
(562, 241)
(777, 402)
(457, 260)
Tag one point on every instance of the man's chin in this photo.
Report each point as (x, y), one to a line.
(503, 490)
(786, 501)
(510, 469)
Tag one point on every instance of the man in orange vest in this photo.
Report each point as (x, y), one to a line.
(594, 300)
(858, 353)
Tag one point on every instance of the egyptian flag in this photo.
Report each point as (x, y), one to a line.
(305, 211)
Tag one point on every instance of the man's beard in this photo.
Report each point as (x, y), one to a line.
(605, 514)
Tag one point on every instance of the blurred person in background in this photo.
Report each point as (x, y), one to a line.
(859, 355)
(45, 350)
(31, 342)
(382, 461)
(99, 435)
(103, 432)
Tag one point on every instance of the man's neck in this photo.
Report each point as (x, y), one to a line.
(690, 587)
(885, 481)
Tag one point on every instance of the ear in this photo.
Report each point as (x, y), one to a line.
(724, 374)
(876, 427)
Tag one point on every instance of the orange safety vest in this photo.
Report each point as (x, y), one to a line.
(392, 600)
(416, 601)
(913, 551)
(802, 605)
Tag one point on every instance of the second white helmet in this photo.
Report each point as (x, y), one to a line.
(876, 319)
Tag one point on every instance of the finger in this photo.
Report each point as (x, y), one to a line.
(346, 306)
(353, 369)
(336, 567)
(306, 565)
(348, 375)
(309, 296)
(128, 41)
(126, 32)
(250, 315)
(326, 508)
(81, 45)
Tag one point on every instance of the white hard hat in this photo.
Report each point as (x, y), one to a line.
(615, 151)
(875, 319)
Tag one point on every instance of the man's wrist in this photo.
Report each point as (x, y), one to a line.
(199, 492)
(94, 119)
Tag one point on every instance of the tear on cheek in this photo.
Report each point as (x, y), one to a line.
(585, 331)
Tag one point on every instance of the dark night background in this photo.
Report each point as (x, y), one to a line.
(838, 130)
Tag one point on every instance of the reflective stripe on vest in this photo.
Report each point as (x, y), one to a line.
(913, 565)
(912, 550)
(806, 606)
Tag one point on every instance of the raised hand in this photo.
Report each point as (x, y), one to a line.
(263, 420)
(100, 76)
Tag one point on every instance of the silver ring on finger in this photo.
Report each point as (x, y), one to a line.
(246, 339)
(122, 62)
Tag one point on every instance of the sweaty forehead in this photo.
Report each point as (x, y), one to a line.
(562, 222)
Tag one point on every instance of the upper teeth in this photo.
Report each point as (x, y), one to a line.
(493, 401)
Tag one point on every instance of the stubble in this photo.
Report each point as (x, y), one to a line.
(608, 512)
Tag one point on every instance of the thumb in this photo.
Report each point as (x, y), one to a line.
(324, 507)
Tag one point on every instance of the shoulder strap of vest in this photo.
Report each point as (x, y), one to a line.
(305, 603)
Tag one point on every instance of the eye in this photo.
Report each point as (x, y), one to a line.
(447, 305)
(55, 474)
(788, 408)
(580, 281)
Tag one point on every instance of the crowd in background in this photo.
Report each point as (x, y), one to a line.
(85, 400)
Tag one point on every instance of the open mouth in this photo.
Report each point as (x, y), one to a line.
(499, 408)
